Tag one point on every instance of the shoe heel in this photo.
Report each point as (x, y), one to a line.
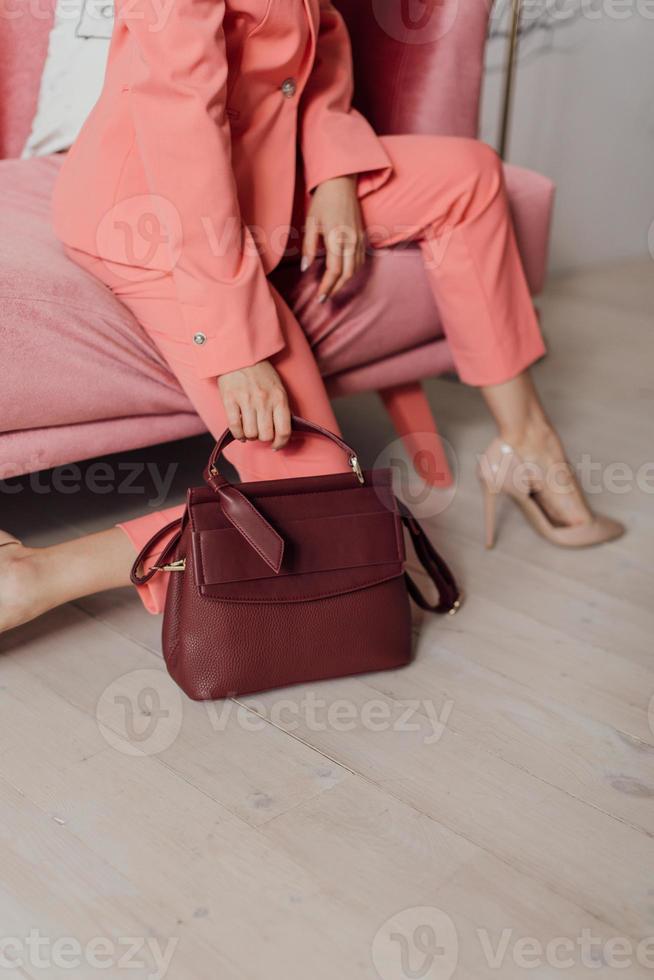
(490, 512)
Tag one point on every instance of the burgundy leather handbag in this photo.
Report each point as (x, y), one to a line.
(286, 581)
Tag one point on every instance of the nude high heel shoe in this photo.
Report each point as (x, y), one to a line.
(502, 471)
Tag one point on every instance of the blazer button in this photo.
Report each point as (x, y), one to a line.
(289, 87)
(199, 338)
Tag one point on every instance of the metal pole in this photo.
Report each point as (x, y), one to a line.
(509, 75)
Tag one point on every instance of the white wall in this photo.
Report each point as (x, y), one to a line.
(584, 115)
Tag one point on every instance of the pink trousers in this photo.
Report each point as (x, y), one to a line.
(445, 193)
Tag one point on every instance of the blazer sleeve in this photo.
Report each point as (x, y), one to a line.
(177, 91)
(335, 138)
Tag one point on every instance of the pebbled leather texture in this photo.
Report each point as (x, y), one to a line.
(216, 649)
(288, 581)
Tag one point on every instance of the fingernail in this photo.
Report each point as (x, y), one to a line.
(322, 297)
(305, 263)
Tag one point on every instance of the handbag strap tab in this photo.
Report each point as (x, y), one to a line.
(253, 526)
(141, 578)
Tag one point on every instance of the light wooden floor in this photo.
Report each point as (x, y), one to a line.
(496, 795)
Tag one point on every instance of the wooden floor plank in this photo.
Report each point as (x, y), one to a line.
(547, 834)
(273, 841)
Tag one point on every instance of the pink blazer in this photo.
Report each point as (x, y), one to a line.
(189, 156)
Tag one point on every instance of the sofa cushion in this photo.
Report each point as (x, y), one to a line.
(386, 309)
(80, 377)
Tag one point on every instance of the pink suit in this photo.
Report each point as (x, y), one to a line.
(182, 193)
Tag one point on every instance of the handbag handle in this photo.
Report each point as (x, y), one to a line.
(242, 513)
(236, 507)
(214, 479)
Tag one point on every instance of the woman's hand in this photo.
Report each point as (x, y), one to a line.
(335, 216)
(256, 404)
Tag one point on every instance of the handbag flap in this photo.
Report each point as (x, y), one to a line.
(338, 537)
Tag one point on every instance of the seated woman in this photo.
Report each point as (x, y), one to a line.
(193, 145)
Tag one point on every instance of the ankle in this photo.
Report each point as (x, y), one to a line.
(13, 552)
(20, 598)
(534, 440)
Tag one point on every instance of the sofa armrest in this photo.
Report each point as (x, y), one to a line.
(23, 48)
(420, 75)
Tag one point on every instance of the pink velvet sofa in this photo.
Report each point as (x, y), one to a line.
(81, 379)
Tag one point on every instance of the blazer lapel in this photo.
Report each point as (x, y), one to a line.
(312, 8)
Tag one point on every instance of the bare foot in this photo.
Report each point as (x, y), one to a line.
(34, 580)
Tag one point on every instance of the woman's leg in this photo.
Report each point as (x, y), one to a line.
(34, 580)
(522, 422)
(448, 194)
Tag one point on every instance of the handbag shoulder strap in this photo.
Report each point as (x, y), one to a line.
(449, 594)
